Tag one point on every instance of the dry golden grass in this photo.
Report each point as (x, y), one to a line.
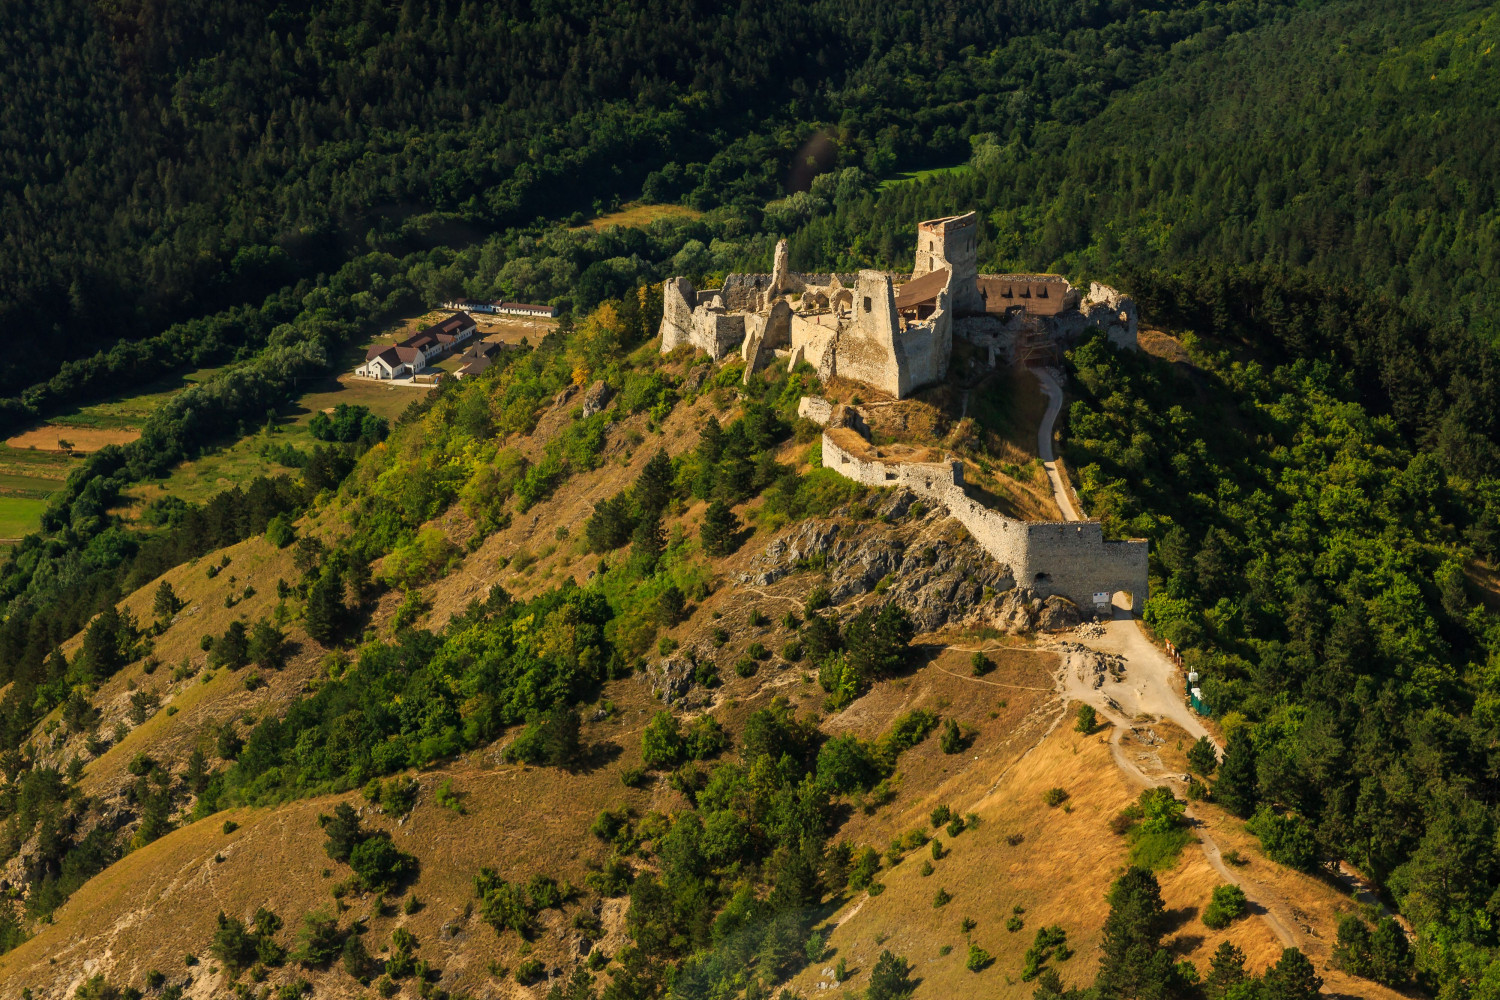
(160, 902)
(1162, 345)
(1057, 871)
(636, 215)
(49, 437)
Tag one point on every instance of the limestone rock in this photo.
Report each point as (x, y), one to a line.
(695, 378)
(937, 578)
(670, 677)
(1058, 614)
(596, 399)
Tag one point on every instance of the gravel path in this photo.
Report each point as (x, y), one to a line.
(1053, 391)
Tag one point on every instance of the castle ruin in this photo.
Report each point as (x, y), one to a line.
(894, 333)
(891, 332)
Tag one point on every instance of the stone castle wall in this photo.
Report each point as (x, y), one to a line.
(1070, 558)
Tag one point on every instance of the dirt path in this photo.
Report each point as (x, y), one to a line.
(1150, 689)
(1053, 391)
(1152, 685)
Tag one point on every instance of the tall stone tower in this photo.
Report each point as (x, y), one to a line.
(952, 242)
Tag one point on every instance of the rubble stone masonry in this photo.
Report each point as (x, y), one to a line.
(1070, 558)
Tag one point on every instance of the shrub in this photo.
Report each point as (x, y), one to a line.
(1161, 811)
(1055, 797)
(448, 798)
(662, 744)
(530, 971)
(320, 941)
(1226, 906)
(941, 815)
(978, 959)
(1286, 838)
(379, 864)
(981, 664)
(1088, 719)
(907, 731)
(818, 597)
(955, 826)
(1014, 923)
(862, 872)
(1050, 941)
(941, 898)
(951, 741)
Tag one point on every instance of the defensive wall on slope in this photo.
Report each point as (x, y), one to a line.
(1070, 558)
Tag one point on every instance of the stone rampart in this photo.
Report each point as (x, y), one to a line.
(1070, 558)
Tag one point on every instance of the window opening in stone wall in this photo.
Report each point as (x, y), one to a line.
(1041, 579)
(867, 303)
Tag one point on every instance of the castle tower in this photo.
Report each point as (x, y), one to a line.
(952, 243)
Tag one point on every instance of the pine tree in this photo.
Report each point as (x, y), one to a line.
(1291, 978)
(653, 487)
(719, 528)
(579, 986)
(610, 525)
(267, 645)
(1202, 757)
(325, 607)
(559, 736)
(647, 543)
(1134, 963)
(1227, 970)
(1236, 788)
(734, 479)
(196, 774)
(951, 740)
(232, 649)
(344, 831)
(165, 604)
(890, 979)
(710, 449)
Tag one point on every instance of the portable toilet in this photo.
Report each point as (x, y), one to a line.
(1192, 677)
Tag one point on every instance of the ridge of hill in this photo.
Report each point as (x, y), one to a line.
(781, 655)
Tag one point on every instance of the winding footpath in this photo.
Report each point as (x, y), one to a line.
(1152, 686)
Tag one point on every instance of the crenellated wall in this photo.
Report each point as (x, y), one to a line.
(1071, 558)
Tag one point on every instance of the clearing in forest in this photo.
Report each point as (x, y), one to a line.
(636, 215)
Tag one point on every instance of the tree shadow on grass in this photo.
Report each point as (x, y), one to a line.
(598, 754)
(1185, 944)
(1176, 919)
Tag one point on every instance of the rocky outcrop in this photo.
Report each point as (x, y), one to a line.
(940, 576)
(596, 399)
(670, 678)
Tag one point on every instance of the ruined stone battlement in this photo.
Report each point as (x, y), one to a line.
(1070, 558)
(862, 327)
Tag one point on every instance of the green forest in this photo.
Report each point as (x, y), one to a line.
(1304, 192)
